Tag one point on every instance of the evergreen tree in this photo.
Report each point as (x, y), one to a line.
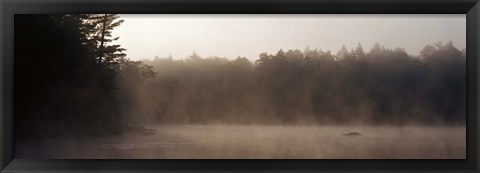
(359, 53)
(99, 29)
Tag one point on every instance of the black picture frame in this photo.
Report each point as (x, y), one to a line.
(9, 8)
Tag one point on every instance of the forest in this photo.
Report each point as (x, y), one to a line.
(70, 79)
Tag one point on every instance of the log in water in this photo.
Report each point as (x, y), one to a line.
(261, 142)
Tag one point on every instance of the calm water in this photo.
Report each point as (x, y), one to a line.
(260, 142)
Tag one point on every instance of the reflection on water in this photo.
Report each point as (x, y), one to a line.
(260, 142)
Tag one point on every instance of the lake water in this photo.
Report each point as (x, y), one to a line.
(260, 142)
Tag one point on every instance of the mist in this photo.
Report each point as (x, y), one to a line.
(79, 95)
(380, 86)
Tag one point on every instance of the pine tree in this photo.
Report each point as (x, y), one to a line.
(98, 28)
(359, 53)
(343, 53)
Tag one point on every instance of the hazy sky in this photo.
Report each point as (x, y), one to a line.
(147, 36)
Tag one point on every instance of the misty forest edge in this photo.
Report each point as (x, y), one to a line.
(70, 80)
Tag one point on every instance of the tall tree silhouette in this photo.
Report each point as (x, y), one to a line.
(60, 87)
(103, 24)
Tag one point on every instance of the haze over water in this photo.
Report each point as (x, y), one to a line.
(240, 86)
(265, 142)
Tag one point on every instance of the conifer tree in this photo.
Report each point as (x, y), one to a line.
(98, 28)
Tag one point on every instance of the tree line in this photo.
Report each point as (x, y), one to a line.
(381, 86)
(66, 75)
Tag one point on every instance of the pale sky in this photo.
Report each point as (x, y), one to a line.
(230, 35)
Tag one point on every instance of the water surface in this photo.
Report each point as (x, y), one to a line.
(260, 142)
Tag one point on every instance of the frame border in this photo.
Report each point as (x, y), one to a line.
(9, 7)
